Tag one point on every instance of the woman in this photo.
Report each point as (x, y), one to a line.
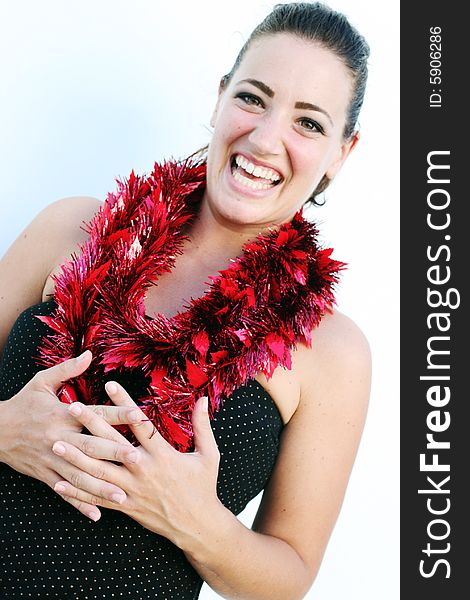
(284, 124)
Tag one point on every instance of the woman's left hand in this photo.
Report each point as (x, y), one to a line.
(167, 491)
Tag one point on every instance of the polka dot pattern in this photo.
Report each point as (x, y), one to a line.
(49, 550)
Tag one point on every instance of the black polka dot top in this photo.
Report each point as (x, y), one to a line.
(49, 550)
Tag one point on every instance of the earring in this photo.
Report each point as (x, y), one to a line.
(321, 187)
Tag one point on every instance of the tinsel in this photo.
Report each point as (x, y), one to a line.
(249, 320)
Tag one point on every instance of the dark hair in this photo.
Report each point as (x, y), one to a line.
(316, 22)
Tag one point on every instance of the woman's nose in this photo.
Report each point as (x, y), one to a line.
(267, 135)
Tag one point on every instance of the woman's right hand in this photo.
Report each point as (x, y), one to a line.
(33, 419)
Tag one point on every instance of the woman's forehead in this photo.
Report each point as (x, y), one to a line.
(284, 50)
(290, 66)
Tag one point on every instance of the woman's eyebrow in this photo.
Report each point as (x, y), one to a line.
(303, 105)
(260, 85)
(315, 107)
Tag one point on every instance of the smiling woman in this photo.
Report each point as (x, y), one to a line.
(187, 401)
(294, 118)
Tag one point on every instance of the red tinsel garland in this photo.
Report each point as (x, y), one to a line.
(248, 321)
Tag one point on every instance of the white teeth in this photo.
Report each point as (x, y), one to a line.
(255, 170)
(255, 185)
(247, 166)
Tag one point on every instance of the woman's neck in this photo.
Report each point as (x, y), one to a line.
(217, 240)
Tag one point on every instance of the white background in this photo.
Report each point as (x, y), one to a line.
(90, 90)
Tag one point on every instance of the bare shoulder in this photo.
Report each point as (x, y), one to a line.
(339, 352)
(58, 226)
(69, 215)
(67, 218)
(75, 203)
(51, 236)
(339, 355)
(339, 334)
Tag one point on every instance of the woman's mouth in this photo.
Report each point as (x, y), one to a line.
(253, 176)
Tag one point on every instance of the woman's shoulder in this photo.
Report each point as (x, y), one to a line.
(339, 357)
(73, 206)
(52, 235)
(337, 364)
(62, 220)
(67, 217)
(339, 333)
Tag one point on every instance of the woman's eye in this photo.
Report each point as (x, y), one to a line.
(250, 99)
(311, 125)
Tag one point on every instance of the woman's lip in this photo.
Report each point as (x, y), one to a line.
(244, 189)
(258, 163)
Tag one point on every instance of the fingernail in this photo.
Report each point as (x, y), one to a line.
(205, 403)
(94, 516)
(111, 387)
(75, 409)
(59, 488)
(82, 357)
(118, 498)
(58, 448)
(134, 416)
(132, 457)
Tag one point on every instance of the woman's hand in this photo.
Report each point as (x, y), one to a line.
(34, 419)
(167, 491)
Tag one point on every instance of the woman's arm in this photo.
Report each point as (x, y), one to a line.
(33, 418)
(281, 557)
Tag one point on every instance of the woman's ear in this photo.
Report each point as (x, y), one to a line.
(214, 115)
(343, 153)
(222, 86)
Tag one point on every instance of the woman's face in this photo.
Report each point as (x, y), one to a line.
(282, 114)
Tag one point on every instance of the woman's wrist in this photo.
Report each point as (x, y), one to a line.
(5, 428)
(209, 534)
